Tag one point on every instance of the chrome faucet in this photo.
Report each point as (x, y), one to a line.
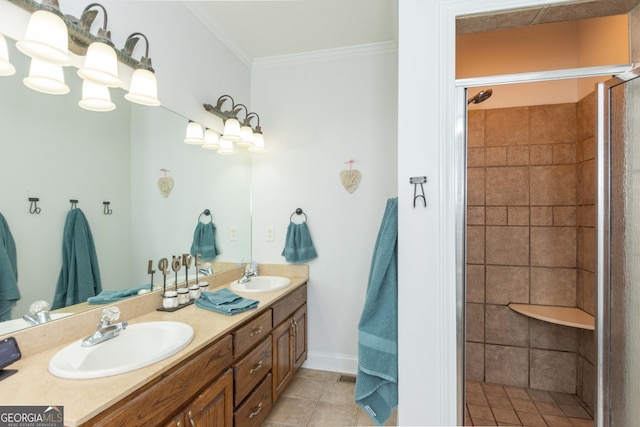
(106, 329)
(38, 313)
(249, 270)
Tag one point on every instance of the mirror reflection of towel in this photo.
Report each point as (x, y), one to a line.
(298, 245)
(80, 275)
(9, 292)
(204, 241)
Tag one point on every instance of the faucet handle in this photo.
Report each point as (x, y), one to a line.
(109, 314)
(39, 306)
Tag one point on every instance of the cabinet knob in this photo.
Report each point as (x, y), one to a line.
(193, 423)
(256, 411)
(256, 332)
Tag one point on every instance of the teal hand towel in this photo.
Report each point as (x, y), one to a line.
(9, 292)
(108, 297)
(79, 277)
(298, 247)
(226, 302)
(204, 241)
(377, 377)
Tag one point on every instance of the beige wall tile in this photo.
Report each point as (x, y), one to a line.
(475, 215)
(507, 126)
(553, 246)
(475, 128)
(564, 216)
(475, 157)
(586, 149)
(553, 185)
(553, 370)
(589, 384)
(587, 345)
(549, 336)
(496, 215)
(518, 215)
(564, 154)
(518, 156)
(496, 156)
(553, 286)
(586, 216)
(507, 245)
(553, 123)
(475, 283)
(587, 251)
(475, 322)
(475, 186)
(506, 327)
(507, 284)
(508, 186)
(588, 292)
(541, 154)
(507, 365)
(541, 215)
(475, 361)
(475, 244)
(586, 116)
(586, 191)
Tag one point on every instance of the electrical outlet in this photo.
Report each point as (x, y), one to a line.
(233, 233)
(270, 233)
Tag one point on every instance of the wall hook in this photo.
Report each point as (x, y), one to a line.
(418, 180)
(33, 207)
(107, 209)
(74, 203)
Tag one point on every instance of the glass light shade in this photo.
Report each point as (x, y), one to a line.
(46, 77)
(194, 134)
(101, 65)
(144, 88)
(46, 38)
(232, 129)
(226, 146)
(258, 143)
(6, 69)
(95, 97)
(211, 140)
(246, 135)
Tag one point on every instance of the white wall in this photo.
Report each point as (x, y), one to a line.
(317, 113)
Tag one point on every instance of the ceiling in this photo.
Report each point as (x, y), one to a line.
(267, 28)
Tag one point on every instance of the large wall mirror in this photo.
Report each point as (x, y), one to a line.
(56, 151)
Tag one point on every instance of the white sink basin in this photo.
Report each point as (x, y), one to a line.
(139, 345)
(261, 284)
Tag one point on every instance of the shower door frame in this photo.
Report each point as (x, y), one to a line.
(460, 154)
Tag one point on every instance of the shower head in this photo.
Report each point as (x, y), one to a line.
(481, 96)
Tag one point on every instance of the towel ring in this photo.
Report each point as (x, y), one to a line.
(206, 212)
(298, 212)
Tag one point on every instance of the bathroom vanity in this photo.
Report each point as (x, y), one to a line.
(231, 373)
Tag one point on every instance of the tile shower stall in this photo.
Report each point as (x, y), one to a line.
(531, 239)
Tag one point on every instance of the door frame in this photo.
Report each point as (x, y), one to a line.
(460, 144)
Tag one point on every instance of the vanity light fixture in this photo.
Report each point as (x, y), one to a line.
(226, 146)
(6, 68)
(47, 37)
(257, 145)
(231, 124)
(46, 77)
(101, 61)
(211, 140)
(194, 134)
(247, 136)
(95, 97)
(144, 87)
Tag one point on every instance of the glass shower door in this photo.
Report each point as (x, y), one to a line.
(618, 293)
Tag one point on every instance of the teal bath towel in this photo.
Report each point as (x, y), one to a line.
(226, 302)
(108, 297)
(377, 377)
(9, 292)
(80, 275)
(298, 246)
(204, 241)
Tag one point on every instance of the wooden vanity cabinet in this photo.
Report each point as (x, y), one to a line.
(289, 339)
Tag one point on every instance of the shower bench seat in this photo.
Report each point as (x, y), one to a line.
(567, 316)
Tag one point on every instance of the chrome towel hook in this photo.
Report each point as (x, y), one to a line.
(33, 207)
(74, 203)
(107, 209)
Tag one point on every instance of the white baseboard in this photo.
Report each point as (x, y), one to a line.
(331, 362)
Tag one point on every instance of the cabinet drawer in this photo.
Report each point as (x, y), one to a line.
(285, 307)
(251, 369)
(251, 333)
(257, 406)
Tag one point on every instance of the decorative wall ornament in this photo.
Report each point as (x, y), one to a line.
(350, 177)
(165, 183)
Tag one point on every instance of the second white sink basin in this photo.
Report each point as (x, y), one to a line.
(261, 284)
(139, 345)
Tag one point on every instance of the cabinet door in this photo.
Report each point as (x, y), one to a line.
(299, 341)
(214, 406)
(282, 364)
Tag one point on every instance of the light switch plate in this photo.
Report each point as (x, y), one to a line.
(270, 233)
(233, 233)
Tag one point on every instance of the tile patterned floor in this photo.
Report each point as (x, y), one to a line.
(494, 404)
(317, 398)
